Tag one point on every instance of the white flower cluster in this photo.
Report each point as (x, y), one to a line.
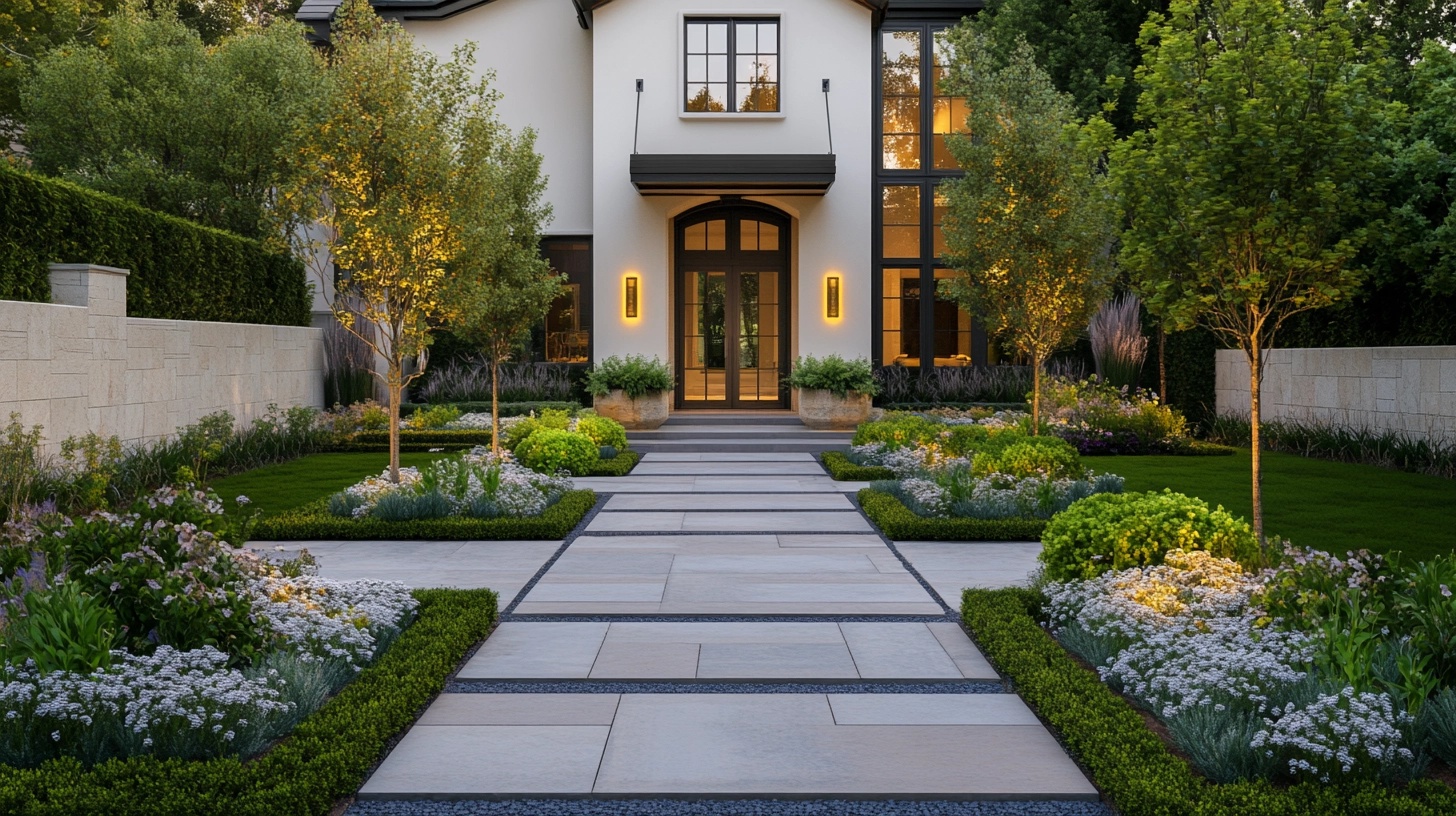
(479, 422)
(369, 491)
(477, 474)
(1345, 732)
(906, 462)
(326, 618)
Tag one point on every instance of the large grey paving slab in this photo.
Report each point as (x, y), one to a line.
(631, 588)
(646, 661)
(776, 661)
(972, 664)
(777, 561)
(729, 501)
(898, 650)
(931, 709)
(748, 456)
(849, 521)
(470, 760)
(521, 709)
(951, 566)
(645, 468)
(525, 651)
(634, 483)
(504, 566)
(771, 744)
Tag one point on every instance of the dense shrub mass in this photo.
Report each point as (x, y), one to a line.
(834, 374)
(549, 451)
(634, 375)
(1114, 532)
(179, 270)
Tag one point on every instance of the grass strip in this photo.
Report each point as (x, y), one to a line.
(1128, 762)
(314, 522)
(900, 523)
(843, 470)
(325, 759)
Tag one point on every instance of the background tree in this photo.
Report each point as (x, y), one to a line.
(157, 117)
(1244, 193)
(374, 174)
(30, 28)
(500, 286)
(1029, 225)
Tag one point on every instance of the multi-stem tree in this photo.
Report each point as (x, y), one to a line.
(1244, 192)
(1029, 225)
(499, 287)
(375, 173)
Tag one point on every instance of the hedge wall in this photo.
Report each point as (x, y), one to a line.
(313, 522)
(179, 270)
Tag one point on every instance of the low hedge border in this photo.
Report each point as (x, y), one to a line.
(325, 759)
(619, 465)
(900, 523)
(1197, 447)
(314, 522)
(507, 409)
(843, 470)
(1132, 767)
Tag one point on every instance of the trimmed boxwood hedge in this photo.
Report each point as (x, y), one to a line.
(619, 465)
(900, 523)
(314, 522)
(325, 759)
(1127, 762)
(179, 270)
(843, 470)
(507, 409)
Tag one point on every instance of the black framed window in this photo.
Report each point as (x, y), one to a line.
(916, 326)
(567, 335)
(731, 65)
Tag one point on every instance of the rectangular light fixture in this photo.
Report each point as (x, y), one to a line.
(831, 301)
(631, 296)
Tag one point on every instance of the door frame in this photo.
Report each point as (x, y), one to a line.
(731, 260)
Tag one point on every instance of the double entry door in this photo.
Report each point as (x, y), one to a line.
(732, 285)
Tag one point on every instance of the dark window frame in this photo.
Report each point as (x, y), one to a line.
(732, 102)
(582, 278)
(926, 177)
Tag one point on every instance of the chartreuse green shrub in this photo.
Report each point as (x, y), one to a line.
(325, 759)
(1021, 457)
(898, 431)
(1128, 763)
(603, 431)
(434, 417)
(834, 374)
(549, 451)
(1119, 531)
(179, 270)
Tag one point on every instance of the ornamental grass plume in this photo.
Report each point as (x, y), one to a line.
(1118, 344)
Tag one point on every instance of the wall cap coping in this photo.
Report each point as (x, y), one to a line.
(84, 267)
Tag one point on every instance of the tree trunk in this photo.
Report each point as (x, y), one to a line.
(1035, 395)
(1256, 376)
(1162, 363)
(495, 405)
(396, 389)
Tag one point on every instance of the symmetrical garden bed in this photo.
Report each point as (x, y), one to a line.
(314, 522)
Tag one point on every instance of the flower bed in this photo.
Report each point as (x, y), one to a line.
(148, 633)
(314, 522)
(323, 760)
(899, 523)
(1130, 765)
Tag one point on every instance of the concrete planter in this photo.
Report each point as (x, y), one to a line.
(641, 414)
(823, 410)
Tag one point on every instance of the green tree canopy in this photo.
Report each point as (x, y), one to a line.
(1246, 192)
(29, 29)
(157, 117)
(1029, 225)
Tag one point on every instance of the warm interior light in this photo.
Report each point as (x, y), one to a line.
(831, 297)
(630, 300)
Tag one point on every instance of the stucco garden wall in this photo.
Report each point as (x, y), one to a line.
(80, 364)
(1404, 388)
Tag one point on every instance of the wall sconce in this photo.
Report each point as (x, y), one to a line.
(630, 302)
(831, 297)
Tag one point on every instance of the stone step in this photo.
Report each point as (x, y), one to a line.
(736, 446)
(712, 418)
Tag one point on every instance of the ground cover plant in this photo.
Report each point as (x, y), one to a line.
(313, 522)
(322, 761)
(1341, 506)
(1434, 455)
(152, 632)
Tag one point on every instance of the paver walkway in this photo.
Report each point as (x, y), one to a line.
(651, 660)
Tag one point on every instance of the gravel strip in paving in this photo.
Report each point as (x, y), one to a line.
(669, 618)
(698, 687)
(602, 499)
(735, 807)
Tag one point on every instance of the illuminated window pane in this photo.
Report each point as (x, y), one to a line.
(900, 317)
(940, 206)
(900, 214)
(717, 235)
(952, 327)
(900, 91)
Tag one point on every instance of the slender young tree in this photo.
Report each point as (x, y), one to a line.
(1262, 120)
(499, 286)
(1029, 225)
(374, 172)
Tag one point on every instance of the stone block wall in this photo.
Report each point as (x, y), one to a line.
(80, 364)
(1402, 388)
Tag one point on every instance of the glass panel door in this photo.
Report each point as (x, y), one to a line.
(705, 359)
(758, 337)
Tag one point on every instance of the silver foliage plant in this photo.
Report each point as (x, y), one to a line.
(1118, 345)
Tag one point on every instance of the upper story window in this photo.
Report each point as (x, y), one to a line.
(731, 65)
(914, 103)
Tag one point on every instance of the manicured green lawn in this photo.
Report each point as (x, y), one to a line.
(276, 488)
(1330, 506)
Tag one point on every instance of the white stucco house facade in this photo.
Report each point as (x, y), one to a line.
(735, 183)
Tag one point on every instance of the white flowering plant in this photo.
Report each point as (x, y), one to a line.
(476, 484)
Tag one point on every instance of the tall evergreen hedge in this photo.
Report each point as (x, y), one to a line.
(179, 270)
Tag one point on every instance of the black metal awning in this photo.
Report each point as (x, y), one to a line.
(800, 174)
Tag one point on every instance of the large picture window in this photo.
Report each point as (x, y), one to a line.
(731, 65)
(918, 327)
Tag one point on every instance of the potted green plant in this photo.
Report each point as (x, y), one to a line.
(632, 390)
(833, 392)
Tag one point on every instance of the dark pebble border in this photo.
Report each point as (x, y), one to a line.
(731, 807)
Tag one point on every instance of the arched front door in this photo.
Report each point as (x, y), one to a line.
(732, 306)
